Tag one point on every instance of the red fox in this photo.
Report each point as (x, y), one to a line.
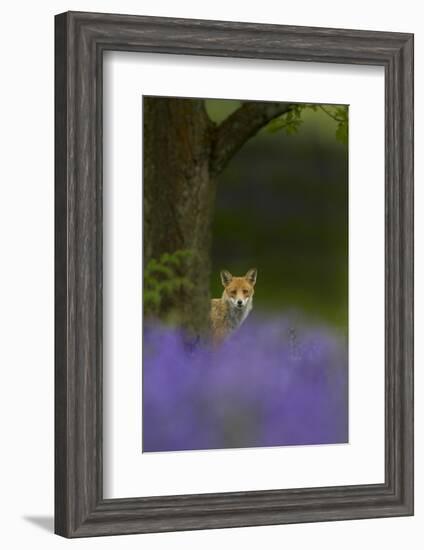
(229, 311)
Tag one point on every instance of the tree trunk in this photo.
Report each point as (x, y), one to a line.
(178, 198)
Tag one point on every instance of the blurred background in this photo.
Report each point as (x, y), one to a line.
(282, 206)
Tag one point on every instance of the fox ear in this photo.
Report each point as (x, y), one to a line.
(226, 277)
(251, 276)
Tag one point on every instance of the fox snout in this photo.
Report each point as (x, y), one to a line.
(240, 302)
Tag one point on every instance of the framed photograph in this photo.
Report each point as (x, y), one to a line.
(234, 274)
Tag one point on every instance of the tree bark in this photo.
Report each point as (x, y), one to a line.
(183, 152)
(179, 196)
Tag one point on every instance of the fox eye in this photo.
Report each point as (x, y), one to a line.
(233, 293)
(245, 291)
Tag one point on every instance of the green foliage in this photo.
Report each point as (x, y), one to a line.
(342, 117)
(291, 121)
(164, 278)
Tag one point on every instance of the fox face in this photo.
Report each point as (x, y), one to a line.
(238, 291)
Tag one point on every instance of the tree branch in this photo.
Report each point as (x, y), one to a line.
(334, 117)
(241, 125)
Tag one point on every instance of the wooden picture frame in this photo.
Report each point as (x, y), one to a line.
(80, 40)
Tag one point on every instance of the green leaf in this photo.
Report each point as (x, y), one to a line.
(342, 133)
(164, 277)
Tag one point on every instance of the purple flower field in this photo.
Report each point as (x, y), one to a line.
(273, 383)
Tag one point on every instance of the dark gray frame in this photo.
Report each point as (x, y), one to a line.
(80, 40)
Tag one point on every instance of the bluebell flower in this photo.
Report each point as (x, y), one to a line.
(273, 383)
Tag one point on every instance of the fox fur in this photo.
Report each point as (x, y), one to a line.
(231, 310)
